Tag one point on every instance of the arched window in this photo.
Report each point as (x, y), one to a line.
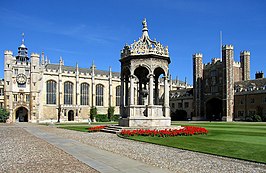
(68, 93)
(84, 94)
(99, 95)
(50, 92)
(117, 95)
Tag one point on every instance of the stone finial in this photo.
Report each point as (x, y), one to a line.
(144, 24)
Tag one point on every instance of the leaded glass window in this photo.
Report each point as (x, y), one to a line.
(68, 93)
(84, 94)
(51, 92)
(117, 95)
(99, 95)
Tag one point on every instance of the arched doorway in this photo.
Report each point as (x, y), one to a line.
(22, 115)
(71, 115)
(214, 108)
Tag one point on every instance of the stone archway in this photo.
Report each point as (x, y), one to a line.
(70, 115)
(22, 114)
(214, 108)
(141, 73)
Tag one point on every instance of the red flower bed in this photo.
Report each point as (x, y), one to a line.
(95, 128)
(186, 131)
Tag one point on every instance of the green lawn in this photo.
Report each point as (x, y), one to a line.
(245, 141)
(80, 128)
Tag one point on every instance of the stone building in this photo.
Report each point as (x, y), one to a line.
(214, 84)
(250, 97)
(181, 104)
(38, 91)
(35, 90)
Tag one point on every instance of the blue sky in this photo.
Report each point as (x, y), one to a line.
(83, 31)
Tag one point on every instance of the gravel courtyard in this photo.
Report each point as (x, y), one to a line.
(21, 152)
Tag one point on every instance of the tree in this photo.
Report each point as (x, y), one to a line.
(110, 113)
(93, 113)
(4, 115)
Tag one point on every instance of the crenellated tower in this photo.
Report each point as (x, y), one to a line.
(228, 81)
(245, 64)
(197, 83)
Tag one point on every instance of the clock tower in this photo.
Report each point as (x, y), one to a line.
(20, 89)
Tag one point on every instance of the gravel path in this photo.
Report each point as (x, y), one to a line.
(22, 152)
(173, 159)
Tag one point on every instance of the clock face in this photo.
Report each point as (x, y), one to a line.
(21, 78)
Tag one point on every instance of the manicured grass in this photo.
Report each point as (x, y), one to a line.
(76, 128)
(245, 141)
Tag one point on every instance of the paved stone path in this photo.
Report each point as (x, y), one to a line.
(101, 160)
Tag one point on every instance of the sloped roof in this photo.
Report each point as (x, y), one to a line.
(81, 70)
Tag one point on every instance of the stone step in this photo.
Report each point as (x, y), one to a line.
(112, 129)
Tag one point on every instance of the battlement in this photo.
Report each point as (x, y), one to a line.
(237, 64)
(35, 55)
(197, 55)
(214, 60)
(8, 52)
(245, 52)
(228, 47)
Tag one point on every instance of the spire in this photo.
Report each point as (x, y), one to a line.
(42, 58)
(61, 62)
(22, 38)
(144, 29)
(93, 65)
(77, 69)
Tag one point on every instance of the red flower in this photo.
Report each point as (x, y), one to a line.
(185, 131)
(95, 128)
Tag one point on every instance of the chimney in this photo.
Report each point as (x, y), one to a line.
(259, 75)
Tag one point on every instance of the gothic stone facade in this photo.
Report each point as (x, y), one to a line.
(214, 84)
(250, 97)
(37, 91)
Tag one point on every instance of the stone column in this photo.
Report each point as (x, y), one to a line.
(132, 79)
(156, 92)
(166, 97)
(140, 90)
(122, 92)
(151, 89)
(126, 89)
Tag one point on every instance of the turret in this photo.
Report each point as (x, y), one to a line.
(197, 83)
(245, 64)
(228, 81)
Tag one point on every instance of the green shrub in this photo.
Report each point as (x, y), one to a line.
(102, 118)
(110, 112)
(263, 118)
(256, 118)
(253, 118)
(4, 115)
(93, 113)
(115, 117)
